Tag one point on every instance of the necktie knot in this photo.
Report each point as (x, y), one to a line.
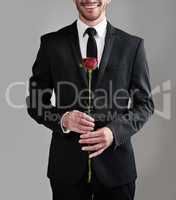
(91, 32)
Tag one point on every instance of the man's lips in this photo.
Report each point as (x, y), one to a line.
(90, 5)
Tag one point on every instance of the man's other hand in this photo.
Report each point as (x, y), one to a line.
(78, 122)
(97, 141)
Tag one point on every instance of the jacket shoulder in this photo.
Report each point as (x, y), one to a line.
(127, 36)
(128, 40)
(56, 34)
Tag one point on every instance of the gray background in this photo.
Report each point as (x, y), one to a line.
(24, 144)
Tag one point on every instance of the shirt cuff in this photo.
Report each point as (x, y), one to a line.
(64, 130)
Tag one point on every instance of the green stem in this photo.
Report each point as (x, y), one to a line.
(89, 85)
(90, 172)
(89, 109)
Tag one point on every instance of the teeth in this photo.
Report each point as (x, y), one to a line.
(90, 6)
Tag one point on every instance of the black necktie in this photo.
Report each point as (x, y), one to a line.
(91, 44)
(92, 51)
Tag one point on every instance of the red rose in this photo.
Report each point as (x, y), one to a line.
(90, 63)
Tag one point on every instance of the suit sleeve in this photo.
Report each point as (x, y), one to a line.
(142, 106)
(38, 102)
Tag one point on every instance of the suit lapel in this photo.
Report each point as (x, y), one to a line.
(109, 39)
(74, 41)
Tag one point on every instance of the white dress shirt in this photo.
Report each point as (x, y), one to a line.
(83, 39)
(100, 37)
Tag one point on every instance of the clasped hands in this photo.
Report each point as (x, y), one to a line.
(95, 142)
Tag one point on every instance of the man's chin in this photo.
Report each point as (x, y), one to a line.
(91, 17)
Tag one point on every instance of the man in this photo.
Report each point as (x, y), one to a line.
(104, 136)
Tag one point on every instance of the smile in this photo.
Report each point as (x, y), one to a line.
(90, 5)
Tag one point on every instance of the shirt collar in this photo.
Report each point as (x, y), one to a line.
(100, 28)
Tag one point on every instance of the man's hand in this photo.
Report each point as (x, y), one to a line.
(78, 122)
(97, 141)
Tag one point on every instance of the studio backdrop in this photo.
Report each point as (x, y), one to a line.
(24, 145)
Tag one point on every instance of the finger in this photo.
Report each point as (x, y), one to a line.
(79, 131)
(93, 147)
(87, 117)
(86, 123)
(96, 153)
(85, 128)
(91, 140)
(91, 134)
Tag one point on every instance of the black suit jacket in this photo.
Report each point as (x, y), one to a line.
(124, 67)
